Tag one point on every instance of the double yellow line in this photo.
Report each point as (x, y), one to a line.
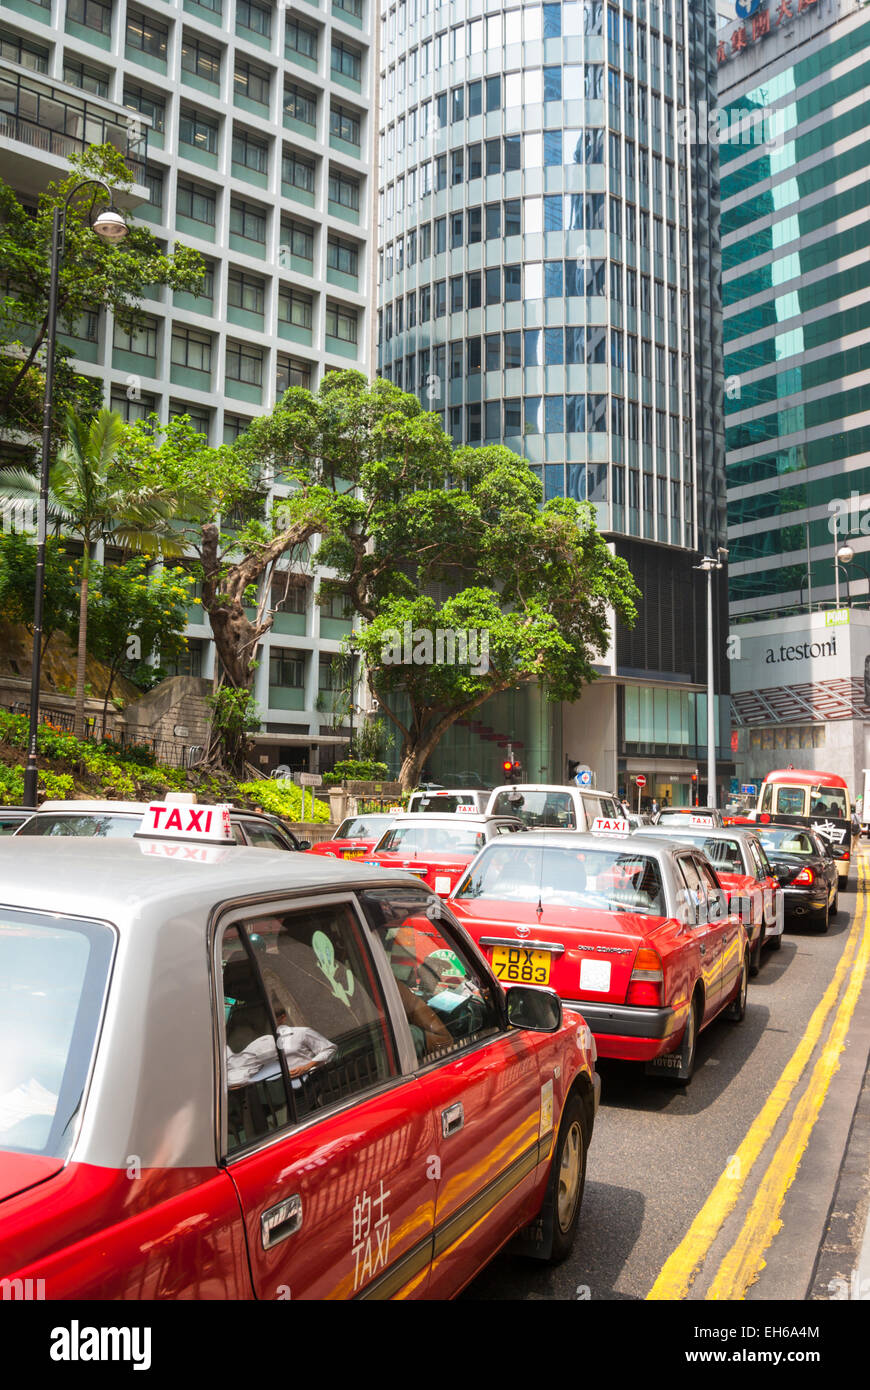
(745, 1259)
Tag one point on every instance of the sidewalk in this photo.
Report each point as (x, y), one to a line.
(843, 1265)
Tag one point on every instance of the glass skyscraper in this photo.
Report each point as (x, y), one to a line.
(548, 279)
(796, 288)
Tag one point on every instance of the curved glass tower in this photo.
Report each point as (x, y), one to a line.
(549, 278)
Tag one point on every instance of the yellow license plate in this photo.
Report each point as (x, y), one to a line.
(517, 965)
(354, 853)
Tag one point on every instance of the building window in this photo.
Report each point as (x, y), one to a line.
(191, 348)
(250, 152)
(145, 34)
(346, 60)
(142, 339)
(200, 419)
(248, 220)
(286, 596)
(344, 190)
(299, 105)
(298, 238)
(342, 256)
(87, 78)
(295, 307)
(344, 124)
(202, 59)
(292, 371)
(252, 81)
(286, 668)
(341, 322)
(244, 364)
(300, 38)
(354, 7)
(196, 201)
(137, 99)
(297, 172)
(246, 292)
(153, 180)
(234, 426)
(86, 326)
(138, 407)
(21, 51)
(92, 14)
(197, 130)
(253, 16)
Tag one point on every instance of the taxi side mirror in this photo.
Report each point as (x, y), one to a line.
(539, 1010)
(303, 844)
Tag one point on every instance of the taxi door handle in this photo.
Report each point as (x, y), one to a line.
(281, 1221)
(702, 949)
(452, 1119)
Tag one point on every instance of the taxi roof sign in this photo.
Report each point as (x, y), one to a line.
(701, 820)
(610, 825)
(204, 824)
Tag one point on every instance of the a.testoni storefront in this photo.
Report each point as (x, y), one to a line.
(800, 695)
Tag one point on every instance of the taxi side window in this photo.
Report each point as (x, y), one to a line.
(263, 836)
(304, 1017)
(449, 1003)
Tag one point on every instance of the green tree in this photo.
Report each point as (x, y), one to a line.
(94, 499)
(18, 585)
(93, 274)
(417, 532)
(132, 614)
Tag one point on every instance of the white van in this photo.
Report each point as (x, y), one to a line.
(542, 805)
(450, 799)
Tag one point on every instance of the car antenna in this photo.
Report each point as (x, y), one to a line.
(540, 908)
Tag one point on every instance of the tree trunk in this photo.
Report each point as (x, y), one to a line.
(412, 766)
(81, 657)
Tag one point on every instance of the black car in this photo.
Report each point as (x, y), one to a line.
(806, 867)
(13, 816)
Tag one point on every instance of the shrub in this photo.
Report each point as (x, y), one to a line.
(284, 799)
(356, 770)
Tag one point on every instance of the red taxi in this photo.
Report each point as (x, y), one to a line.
(354, 837)
(237, 1073)
(742, 868)
(438, 848)
(636, 934)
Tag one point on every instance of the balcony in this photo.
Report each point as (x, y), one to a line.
(56, 121)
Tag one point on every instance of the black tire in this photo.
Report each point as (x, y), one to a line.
(835, 905)
(736, 1010)
(775, 942)
(820, 921)
(563, 1206)
(755, 954)
(682, 1075)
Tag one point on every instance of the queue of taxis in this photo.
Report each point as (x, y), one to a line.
(636, 933)
(742, 867)
(437, 848)
(228, 1072)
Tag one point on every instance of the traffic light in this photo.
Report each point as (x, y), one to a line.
(511, 770)
(573, 764)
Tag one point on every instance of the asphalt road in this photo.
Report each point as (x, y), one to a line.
(658, 1151)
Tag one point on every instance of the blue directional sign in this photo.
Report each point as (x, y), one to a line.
(584, 777)
(750, 789)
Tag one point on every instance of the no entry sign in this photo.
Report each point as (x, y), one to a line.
(641, 781)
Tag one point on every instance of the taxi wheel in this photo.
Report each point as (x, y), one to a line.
(775, 942)
(567, 1179)
(835, 905)
(755, 954)
(736, 1010)
(820, 921)
(688, 1047)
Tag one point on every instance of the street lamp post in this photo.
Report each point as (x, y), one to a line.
(708, 565)
(111, 227)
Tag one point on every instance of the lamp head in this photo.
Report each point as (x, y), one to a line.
(845, 554)
(110, 226)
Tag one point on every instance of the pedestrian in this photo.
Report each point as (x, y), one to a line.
(655, 807)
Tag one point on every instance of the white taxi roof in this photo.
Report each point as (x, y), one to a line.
(447, 818)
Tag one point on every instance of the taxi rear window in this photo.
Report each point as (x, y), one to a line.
(610, 879)
(439, 802)
(362, 827)
(94, 823)
(434, 839)
(537, 808)
(53, 975)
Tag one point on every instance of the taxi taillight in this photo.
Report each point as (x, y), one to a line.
(647, 978)
(806, 876)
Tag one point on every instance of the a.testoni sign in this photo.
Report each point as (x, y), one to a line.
(758, 19)
(799, 669)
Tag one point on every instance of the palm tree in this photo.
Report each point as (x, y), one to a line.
(94, 501)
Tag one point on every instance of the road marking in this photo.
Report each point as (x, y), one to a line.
(745, 1260)
(683, 1263)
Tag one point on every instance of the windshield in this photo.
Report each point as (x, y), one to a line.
(53, 975)
(434, 839)
(88, 823)
(613, 879)
(362, 828)
(828, 801)
(786, 840)
(537, 808)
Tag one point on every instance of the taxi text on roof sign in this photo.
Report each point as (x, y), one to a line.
(202, 823)
(607, 825)
(700, 820)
